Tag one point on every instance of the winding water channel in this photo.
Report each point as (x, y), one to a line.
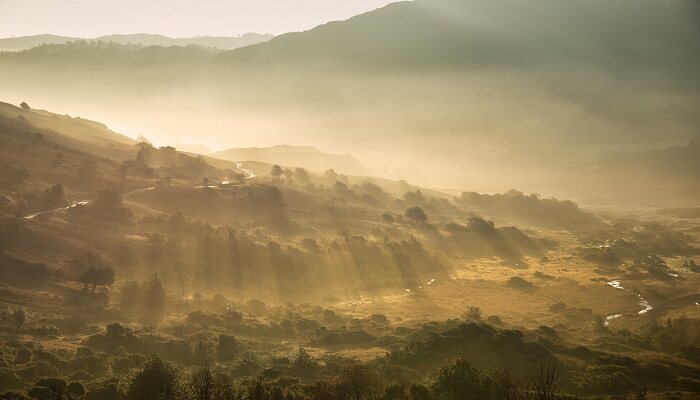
(646, 307)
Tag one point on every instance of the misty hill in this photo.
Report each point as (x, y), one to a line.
(301, 156)
(500, 91)
(141, 39)
(652, 178)
(86, 56)
(66, 174)
(73, 128)
(491, 85)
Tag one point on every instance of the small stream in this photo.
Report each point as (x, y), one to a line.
(644, 303)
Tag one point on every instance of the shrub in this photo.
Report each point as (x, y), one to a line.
(460, 380)
(154, 379)
(517, 282)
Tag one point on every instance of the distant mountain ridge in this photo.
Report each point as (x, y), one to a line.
(303, 156)
(455, 34)
(142, 39)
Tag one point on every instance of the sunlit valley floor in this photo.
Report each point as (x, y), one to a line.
(112, 250)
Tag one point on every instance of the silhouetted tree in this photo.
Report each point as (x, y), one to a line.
(361, 379)
(54, 196)
(228, 348)
(97, 276)
(154, 297)
(95, 271)
(202, 353)
(417, 214)
(302, 176)
(131, 295)
(276, 171)
(289, 176)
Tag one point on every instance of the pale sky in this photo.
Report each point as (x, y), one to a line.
(175, 18)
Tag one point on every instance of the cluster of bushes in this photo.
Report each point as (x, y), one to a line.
(641, 243)
(200, 362)
(156, 378)
(480, 237)
(530, 209)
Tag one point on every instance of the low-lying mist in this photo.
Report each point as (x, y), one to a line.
(513, 96)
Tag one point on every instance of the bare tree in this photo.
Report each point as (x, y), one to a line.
(361, 379)
(544, 383)
(473, 314)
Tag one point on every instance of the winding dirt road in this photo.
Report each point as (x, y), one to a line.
(249, 174)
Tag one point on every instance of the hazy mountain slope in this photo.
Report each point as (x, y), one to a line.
(74, 128)
(449, 34)
(667, 177)
(85, 57)
(506, 86)
(302, 156)
(142, 39)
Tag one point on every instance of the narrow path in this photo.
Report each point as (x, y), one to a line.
(249, 175)
(84, 202)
